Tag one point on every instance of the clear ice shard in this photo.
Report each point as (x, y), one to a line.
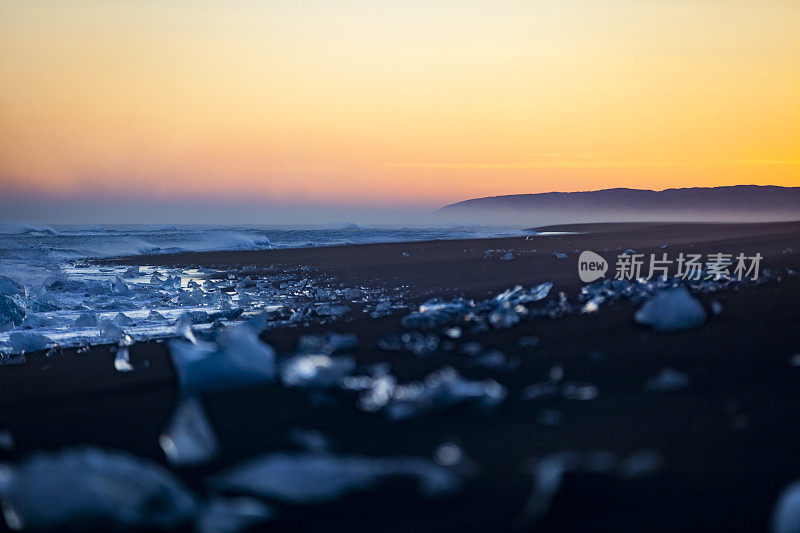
(92, 488)
(11, 310)
(233, 515)
(237, 358)
(109, 329)
(27, 342)
(786, 515)
(86, 320)
(183, 328)
(304, 478)
(671, 310)
(316, 370)
(189, 439)
(440, 390)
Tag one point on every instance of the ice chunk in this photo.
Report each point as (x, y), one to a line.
(307, 478)
(86, 320)
(11, 310)
(189, 438)
(119, 286)
(316, 371)
(233, 515)
(123, 320)
(9, 287)
(109, 329)
(508, 256)
(667, 380)
(786, 515)
(122, 360)
(441, 390)
(671, 310)
(155, 315)
(92, 488)
(132, 272)
(27, 342)
(576, 390)
(328, 343)
(238, 358)
(7, 442)
(183, 328)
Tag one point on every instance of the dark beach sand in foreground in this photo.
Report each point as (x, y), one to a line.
(729, 441)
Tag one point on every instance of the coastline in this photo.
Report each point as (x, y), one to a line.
(725, 442)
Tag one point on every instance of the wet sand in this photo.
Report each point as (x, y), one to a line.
(728, 441)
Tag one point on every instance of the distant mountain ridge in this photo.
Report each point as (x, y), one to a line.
(721, 202)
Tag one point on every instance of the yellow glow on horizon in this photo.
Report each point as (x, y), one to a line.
(397, 102)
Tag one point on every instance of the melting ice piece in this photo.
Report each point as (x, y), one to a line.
(11, 310)
(86, 320)
(441, 390)
(9, 287)
(92, 487)
(109, 329)
(316, 371)
(328, 343)
(122, 360)
(667, 380)
(786, 515)
(189, 438)
(155, 315)
(303, 478)
(132, 272)
(671, 310)
(27, 342)
(183, 328)
(232, 515)
(508, 256)
(123, 320)
(238, 358)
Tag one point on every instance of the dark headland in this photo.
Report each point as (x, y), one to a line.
(732, 203)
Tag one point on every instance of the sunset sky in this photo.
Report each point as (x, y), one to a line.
(352, 102)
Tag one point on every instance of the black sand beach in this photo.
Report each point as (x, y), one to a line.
(724, 446)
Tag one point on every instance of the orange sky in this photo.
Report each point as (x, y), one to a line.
(396, 102)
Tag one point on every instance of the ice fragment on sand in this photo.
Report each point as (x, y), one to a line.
(508, 256)
(27, 342)
(183, 328)
(11, 310)
(303, 478)
(327, 344)
(86, 320)
(671, 310)
(232, 515)
(89, 487)
(9, 287)
(132, 272)
(109, 329)
(441, 390)
(189, 438)
(786, 515)
(316, 370)
(123, 320)
(238, 358)
(667, 380)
